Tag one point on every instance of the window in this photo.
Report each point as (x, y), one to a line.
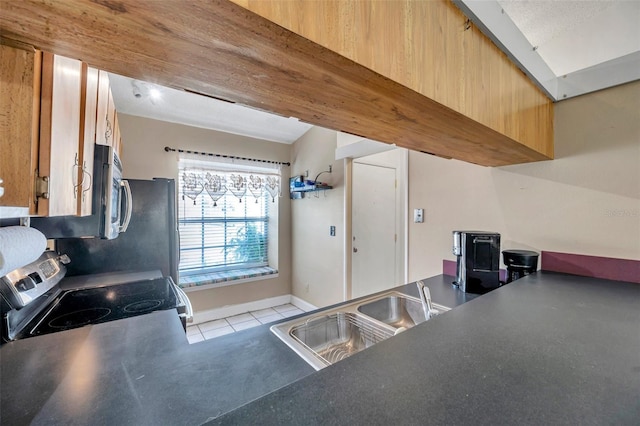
(224, 215)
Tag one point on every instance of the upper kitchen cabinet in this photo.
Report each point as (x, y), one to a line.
(106, 111)
(88, 123)
(117, 136)
(107, 131)
(48, 124)
(19, 125)
(416, 74)
(59, 153)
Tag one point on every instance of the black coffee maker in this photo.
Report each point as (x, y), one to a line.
(478, 261)
(519, 263)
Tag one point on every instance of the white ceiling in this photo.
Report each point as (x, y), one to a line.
(177, 106)
(542, 21)
(568, 47)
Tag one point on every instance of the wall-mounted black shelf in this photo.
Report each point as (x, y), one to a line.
(298, 186)
(299, 192)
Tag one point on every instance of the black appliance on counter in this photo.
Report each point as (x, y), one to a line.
(477, 261)
(520, 263)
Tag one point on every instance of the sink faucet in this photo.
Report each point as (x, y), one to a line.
(425, 298)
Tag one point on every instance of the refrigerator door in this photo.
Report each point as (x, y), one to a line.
(150, 242)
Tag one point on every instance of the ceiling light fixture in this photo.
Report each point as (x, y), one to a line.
(155, 94)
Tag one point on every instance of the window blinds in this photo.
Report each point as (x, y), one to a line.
(224, 214)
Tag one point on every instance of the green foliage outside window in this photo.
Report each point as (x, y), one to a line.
(249, 245)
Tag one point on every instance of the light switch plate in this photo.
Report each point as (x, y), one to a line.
(418, 215)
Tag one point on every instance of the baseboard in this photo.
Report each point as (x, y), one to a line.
(302, 304)
(230, 310)
(241, 308)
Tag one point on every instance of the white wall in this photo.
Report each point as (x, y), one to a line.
(317, 257)
(585, 201)
(144, 157)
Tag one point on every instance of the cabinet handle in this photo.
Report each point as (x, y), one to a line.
(109, 132)
(84, 190)
(81, 184)
(75, 169)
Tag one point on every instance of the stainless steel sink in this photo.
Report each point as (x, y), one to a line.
(326, 337)
(398, 310)
(336, 336)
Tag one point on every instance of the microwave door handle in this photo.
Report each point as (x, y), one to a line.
(129, 203)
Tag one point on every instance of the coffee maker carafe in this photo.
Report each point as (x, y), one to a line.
(478, 261)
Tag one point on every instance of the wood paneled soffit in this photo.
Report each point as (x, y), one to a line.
(221, 49)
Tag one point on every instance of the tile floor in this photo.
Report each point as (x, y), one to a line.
(211, 329)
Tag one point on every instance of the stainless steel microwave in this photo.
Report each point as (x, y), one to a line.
(111, 205)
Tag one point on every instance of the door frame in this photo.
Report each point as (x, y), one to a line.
(402, 218)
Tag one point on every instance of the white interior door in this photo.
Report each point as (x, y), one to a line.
(373, 229)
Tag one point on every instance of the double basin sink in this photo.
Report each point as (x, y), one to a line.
(326, 337)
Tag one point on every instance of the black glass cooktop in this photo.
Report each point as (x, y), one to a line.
(77, 308)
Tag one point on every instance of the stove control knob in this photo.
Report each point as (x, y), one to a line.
(26, 284)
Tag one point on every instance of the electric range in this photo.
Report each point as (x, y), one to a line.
(39, 308)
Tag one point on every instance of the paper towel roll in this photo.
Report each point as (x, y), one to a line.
(19, 246)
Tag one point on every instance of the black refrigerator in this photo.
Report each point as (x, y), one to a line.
(150, 242)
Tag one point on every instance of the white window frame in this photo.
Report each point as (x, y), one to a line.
(191, 163)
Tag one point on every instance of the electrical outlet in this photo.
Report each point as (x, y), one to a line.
(418, 215)
(306, 288)
(332, 231)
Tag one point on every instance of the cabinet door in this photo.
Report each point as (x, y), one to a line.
(88, 121)
(111, 120)
(60, 134)
(19, 125)
(117, 138)
(104, 128)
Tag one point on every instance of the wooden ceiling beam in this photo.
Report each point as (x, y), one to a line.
(220, 49)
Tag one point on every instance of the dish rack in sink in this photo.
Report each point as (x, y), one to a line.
(336, 336)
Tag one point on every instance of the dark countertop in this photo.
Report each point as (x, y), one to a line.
(549, 348)
(142, 370)
(139, 371)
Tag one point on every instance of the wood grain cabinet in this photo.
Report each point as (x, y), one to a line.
(19, 125)
(106, 129)
(59, 149)
(117, 136)
(49, 124)
(431, 48)
(88, 123)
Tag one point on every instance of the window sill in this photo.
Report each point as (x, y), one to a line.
(222, 279)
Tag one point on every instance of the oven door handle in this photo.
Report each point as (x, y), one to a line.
(129, 204)
(185, 299)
